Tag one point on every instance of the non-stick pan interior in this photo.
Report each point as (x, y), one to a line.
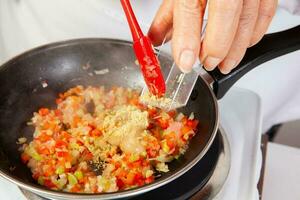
(34, 79)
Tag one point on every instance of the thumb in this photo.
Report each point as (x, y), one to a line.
(187, 19)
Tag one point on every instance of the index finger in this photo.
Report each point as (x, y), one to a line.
(187, 19)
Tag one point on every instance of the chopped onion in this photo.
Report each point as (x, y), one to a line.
(179, 117)
(192, 116)
(21, 140)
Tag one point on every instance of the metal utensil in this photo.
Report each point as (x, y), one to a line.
(179, 85)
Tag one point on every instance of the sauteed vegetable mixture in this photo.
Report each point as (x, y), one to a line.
(99, 140)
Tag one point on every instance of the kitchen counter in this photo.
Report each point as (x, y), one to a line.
(282, 173)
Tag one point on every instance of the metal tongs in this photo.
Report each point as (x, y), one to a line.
(176, 91)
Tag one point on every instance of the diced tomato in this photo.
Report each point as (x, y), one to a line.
(134, 101)
(120, 183)
(152, 153)
(138, 176)
(164, 124)
(46, 125)
(76, 188)
(50, 162)
(61, 144)
(25, 158)
(43, 150)
(35, 176)
(43, 137)
(86, 155)
(44, 111)
(136, 164)
(156, 133)
(76, 120)
(153, 148)
(79, 142)
(192, 123)
(152, 112)
(95, 133)
(49, 184)
(117, 164)
(184, 120)
(65, 135)
(49, 172)
(185, 129)
(129, 178)
(139, 180)
(92, 126)
(149, 180)
(171, 143)
(62, 154)
(145, 163)
(120, 173)
(58, 100)
(172, 113)
(57, 112)
(171, 135)
(83, 180)
(150, 126)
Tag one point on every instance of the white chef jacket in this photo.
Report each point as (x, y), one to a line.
(25, 24)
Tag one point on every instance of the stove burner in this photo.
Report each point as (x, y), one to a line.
(203, 181)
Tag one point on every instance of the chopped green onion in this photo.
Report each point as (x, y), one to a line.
(60, 170)
(78, 175)
(41, 180)
(133, 157)
(72, 179)
(32, 152)
(165, 146)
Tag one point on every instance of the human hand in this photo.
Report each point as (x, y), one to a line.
(232, 27)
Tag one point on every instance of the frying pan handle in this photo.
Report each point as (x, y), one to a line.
(271, 46)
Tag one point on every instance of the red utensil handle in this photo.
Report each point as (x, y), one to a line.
(144, 53)
(133, 24)
(150, 66)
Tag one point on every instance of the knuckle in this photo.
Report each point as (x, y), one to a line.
(192, 6)
(247, 18)
(227, 5)
(186, 39)
(267, 10)
(250, 10)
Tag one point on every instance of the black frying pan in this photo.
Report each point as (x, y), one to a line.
(60, 65)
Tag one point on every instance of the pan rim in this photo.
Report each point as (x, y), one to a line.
(119, 194)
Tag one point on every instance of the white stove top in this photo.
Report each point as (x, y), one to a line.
(241, 119)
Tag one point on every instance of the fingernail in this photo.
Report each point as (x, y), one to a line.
(211, 63)
(227, 66)
(225, 71)
(186, 61)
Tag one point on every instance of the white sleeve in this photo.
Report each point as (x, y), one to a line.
(293, 6)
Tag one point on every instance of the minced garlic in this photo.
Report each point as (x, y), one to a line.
(159, 102)
(124, 127)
